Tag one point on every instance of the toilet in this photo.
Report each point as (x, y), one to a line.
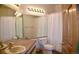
(48, 48)
(43, 42)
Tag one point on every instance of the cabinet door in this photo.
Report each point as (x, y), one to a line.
(69, 30)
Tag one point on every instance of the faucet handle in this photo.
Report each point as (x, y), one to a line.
(10, 45)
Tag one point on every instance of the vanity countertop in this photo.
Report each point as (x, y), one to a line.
(29, 44)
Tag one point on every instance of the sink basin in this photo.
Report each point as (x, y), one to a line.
(4, 46)
(15, 50)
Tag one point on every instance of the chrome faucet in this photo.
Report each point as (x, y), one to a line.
(10, 45)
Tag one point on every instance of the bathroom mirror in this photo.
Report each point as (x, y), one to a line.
(23, 26)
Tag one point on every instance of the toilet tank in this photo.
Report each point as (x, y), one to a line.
(42, 40)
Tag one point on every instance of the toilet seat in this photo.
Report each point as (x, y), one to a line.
(48, 46)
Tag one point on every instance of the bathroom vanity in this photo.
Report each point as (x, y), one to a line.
(28, 44)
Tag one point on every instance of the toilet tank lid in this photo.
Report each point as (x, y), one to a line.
(48, 45)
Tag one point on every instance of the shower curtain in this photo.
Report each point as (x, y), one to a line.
(55, 30)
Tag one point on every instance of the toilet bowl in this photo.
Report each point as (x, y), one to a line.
(48, 48)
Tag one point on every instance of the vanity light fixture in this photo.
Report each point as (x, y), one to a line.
(35, 11)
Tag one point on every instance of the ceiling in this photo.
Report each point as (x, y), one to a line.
(49, 8)
(5, 11)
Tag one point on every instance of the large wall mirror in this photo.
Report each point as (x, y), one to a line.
(23, 26)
